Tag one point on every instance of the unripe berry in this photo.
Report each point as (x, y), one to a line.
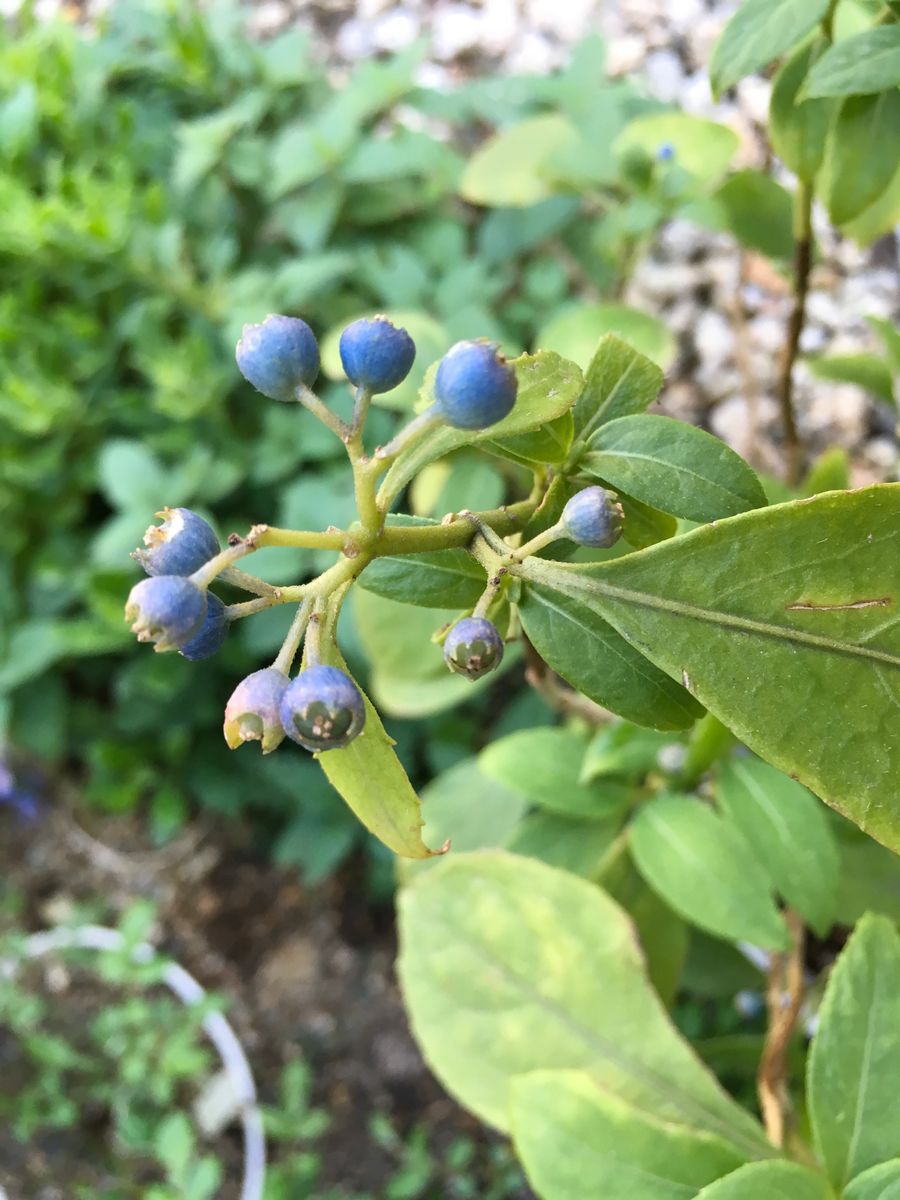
(376, 354)
(473, 647)
(251, 714)
(474, 386)
(278, 356)
(322, 709)
(593, 517)
(166, 609)
(181, 544)
(212, 632)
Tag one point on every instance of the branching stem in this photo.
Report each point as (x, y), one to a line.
(802, 265)
(785, 996)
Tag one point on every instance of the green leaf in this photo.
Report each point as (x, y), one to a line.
(619, 382)
(470, 810)
(589, 654)
(705, 869)
(768, 1181)
(829, 473)
(878, 1183)
(758, 211)
(867, 370)
(537, 969)
(570, 843)
(857, 66)
(575, 330)
(438, 579)
(880, 217)
(514, 168)
(854, 1061)
(371, 779)
(548, 387)
(759, 32)
(861, 155)
(798, 129)
(623, 749)
(174, 1143)
(643, 525)
(890, 337)
(673, 466)
(797, 652)
(576, 1140)
(131, 478)
(869, 878)
(544, 765)
(547, 445)
(702, 148)
(790, 833)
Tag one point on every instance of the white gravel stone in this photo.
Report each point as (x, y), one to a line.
(664, 75)
(714, 338)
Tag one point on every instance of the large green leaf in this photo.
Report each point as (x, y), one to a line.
(768, 1181)
(465, 807)
(878, 1183)
(798, 130)
(576, 329)
(790, 833)
(868, 371)
(706, 871)
(861, 155)
(514, 167)
(759, 32)
(371, 779)
(758, 211)
(702, 148)
(854, 1062)
(674, 467)
(544, 765)
(860, 65)
(619, 381)
(576, 1140)
(595, 659)
(510, 966)
(571, 843)
(548, 387)
(783, 622)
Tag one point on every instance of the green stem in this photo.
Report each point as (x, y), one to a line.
(313, 404)
(361, 402)
(291, 644)
(538, 542)
(425, 421)
(490, 593)
(329, 539)
(204, 576)
(247, 583)
(413, 539)
(247, 608)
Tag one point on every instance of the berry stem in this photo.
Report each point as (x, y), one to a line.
(204, 576)
(490, 593)
(459, 531)
(291, 644)
(538, 542)
(361, 402)
(247, 608)
(310, 401)
(247, 583)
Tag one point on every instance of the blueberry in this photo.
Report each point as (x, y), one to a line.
(278, 356)
(212, 633)
(251, 714)
(474, 386)
(322, 709)
(166, 609)
(593, 517)
(376, 354)
(473, 647)
(179, 546)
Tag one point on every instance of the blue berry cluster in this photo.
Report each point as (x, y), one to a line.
(321, 708)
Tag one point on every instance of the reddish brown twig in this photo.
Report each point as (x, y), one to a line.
(785, 996)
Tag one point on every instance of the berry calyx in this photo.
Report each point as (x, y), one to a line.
(251, 714)
(474, 386)
(179, 546)
(473, 647)
(376, 354)
(322, 709)
(278, 356)
(212, 633)
(167, 610)
(593, 517)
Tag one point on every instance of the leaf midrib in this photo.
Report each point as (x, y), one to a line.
(571, 582)
(668, 465)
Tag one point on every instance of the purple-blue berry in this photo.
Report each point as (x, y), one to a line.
(251, 714)
(278, 356)
(474, 386)
(376, 354)
(322, 709)
(212, 633)
(166, 609)
(473, 647)
(593, 517)
(179, 546)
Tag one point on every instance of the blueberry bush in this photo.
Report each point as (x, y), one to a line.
(715, 810)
